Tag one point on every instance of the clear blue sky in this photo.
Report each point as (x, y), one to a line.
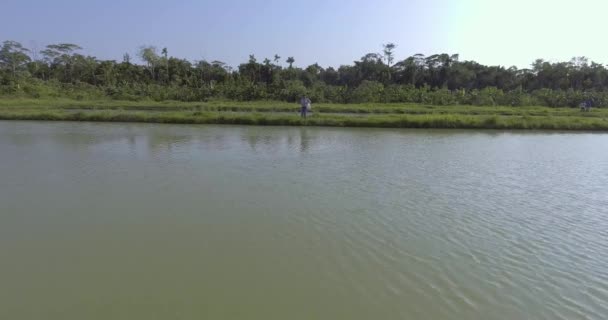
(330, 32)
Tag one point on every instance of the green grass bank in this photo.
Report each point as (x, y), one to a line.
(281, 113)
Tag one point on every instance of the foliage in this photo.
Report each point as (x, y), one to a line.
(269, 113)
(439, 79)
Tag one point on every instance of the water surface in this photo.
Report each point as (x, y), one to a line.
(136, 221)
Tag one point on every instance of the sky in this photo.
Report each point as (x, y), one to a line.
(328, 32)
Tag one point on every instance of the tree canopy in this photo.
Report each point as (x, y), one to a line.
(375, 77)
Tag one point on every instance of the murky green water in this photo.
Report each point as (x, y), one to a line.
(133, 221)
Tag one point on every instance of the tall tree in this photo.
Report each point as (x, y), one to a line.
(166, 58)
(62, 54)
(150, 56)
(13, 56)
(291, 61)
(389, 55)
(35, 55)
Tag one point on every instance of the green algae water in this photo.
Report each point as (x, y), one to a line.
(138, 221)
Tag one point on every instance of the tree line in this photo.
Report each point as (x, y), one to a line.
(62, 70)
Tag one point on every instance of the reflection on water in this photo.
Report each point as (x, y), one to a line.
(272, 142)
(135, 221)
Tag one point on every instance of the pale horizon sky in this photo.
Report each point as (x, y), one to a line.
(329, 32)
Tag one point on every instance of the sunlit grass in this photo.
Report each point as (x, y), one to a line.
(274, 106)
(423, 120)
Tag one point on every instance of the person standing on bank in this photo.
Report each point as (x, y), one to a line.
(305, 106)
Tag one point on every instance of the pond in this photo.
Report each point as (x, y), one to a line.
(148, 221)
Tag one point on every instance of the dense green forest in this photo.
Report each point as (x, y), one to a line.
(62, 70)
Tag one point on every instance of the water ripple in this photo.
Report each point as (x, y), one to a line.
(359, 224)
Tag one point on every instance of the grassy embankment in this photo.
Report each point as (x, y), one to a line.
(281, 113)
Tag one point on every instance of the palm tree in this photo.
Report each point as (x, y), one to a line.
(290, 60)
(388, 53)
(166, 53)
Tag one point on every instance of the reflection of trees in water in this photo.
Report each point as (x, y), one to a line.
(131, 141)
(164, 139)
(265, 140)
(152, 139)
(70, 140)
(20, 139)
(259, 139)
(168, 142)
(158, 142)
(252, 139)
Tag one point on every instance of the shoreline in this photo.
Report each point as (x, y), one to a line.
(276, 113)
(432, 121)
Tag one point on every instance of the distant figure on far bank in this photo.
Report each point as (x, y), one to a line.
(305, 106)
(586, 105)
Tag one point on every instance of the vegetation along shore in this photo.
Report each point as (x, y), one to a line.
(281, 113)
(60, 82)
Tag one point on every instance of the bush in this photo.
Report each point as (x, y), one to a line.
(443, 97)
(292, 91)
(367, 91)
